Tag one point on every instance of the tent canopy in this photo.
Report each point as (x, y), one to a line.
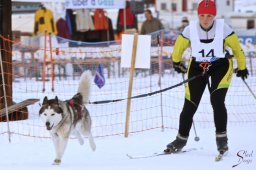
(113, 4)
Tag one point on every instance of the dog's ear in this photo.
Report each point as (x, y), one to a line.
(56, 99)
(45, 100)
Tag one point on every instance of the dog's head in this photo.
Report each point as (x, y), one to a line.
(51, 112)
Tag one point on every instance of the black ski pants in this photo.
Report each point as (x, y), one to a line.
(217, 78)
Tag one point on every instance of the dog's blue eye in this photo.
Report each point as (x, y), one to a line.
(45, 114)
(52, 114)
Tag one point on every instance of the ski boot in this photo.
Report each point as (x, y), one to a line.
(222, 142)
(176, 145)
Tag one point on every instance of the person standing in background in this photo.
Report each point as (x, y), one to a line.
(151, 24)
(184, 23)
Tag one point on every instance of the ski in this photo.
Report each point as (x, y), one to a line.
(158, 154)
(220, 156)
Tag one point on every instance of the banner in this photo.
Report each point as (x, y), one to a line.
(105, 4)
(247, 39)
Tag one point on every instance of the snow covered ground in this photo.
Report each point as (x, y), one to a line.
(31, 154)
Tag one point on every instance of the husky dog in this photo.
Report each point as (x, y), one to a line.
(63, 118)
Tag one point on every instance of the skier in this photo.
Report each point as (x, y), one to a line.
(208, 39)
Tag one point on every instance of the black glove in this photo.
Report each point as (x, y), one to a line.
(179, 67)
(242, 73)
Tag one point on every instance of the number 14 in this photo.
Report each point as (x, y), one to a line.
(209, 54)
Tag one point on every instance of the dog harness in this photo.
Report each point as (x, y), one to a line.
(77, 108)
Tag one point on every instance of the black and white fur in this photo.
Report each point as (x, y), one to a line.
(63, 118)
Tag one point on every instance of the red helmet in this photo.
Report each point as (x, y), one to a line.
(206, 7)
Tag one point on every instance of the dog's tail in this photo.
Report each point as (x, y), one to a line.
(85, 85)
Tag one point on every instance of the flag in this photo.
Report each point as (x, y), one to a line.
(99, 79)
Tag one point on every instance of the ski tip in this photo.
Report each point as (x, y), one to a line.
(129, 156)
(220, 155)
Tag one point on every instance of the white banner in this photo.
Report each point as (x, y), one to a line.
(143, 51)
(105, 4)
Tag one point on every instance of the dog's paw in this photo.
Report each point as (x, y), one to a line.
(93, 146)
(56, 162)
(81, 141)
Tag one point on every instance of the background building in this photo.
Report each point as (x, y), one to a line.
(179, 6)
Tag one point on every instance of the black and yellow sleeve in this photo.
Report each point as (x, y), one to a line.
(180, 46)
(233, 42)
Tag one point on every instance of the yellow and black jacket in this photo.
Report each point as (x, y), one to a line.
(206, 36)
(44, 21)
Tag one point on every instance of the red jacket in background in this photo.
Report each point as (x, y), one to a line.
(100, 20)
(62, 28)
(130, 18)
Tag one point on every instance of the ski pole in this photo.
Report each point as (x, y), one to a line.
(194, 127)
(193, 123)
(249, 88)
